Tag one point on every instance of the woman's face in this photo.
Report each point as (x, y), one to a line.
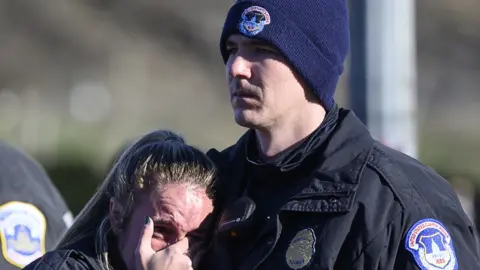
(176, 210)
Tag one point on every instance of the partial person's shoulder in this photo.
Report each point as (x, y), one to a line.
(63, 260)
(22, 178)
(410, 178)
(418, 189)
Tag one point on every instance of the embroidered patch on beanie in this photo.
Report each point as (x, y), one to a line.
(253, 20)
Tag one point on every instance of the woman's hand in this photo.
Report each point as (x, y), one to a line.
(173, 257)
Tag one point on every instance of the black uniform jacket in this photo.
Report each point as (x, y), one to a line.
(33, 214)
(80, 255)
(337, 200)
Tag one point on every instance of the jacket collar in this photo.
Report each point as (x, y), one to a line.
(337, 166)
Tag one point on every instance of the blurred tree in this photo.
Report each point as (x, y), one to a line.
(76, 181)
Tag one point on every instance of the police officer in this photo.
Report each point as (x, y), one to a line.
(307, 187)
(33, 214)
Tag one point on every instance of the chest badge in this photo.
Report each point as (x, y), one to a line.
(301, 249)
(431, 245)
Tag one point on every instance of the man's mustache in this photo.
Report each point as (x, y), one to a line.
(244, 90)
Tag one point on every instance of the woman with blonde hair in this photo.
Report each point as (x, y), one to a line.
(154, 199)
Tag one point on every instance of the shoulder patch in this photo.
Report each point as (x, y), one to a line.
(22, 232)
(431, 245)
(301, 249)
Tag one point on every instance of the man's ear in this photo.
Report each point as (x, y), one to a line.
(115, 214)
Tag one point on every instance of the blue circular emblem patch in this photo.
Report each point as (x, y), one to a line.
(431, 245)
(253, 20)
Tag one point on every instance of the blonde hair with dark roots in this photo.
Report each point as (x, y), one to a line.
(154, 160)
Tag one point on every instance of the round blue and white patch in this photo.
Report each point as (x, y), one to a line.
(431, 245)
(22, 232)
(253, 20)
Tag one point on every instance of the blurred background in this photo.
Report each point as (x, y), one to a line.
(80, 78)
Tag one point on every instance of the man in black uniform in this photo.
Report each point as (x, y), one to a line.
(33, 214)
(306, 187)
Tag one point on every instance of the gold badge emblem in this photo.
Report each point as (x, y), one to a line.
(301, 249)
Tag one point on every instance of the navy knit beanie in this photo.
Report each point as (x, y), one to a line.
(313, 35)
